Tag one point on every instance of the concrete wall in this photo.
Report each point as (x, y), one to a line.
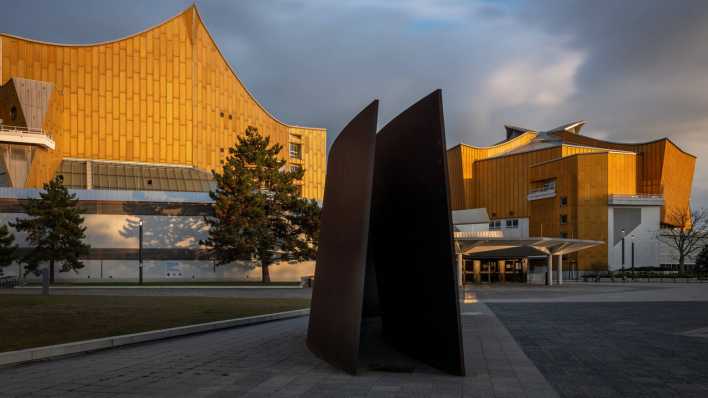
(109, 231)
(646, 245)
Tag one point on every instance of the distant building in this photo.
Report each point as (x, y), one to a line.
(135, 126)
(561, 184)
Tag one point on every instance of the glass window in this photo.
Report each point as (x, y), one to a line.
(295, 150)
(564, 219)
(495, 225)
(13, 113)
(508, 223)
(564, 201)
(515, 223)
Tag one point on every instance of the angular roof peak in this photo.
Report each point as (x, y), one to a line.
(572, 127)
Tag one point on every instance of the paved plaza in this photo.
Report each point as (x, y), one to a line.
(575, 340)
(615, 349)
(271, 360)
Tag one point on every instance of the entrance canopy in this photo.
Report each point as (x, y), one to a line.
(470, 243)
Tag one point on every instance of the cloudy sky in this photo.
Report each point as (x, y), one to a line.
(636, 71)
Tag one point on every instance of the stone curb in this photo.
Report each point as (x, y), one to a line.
(161, 287)
(33, 354)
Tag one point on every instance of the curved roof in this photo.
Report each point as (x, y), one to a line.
(192, 8)
(564, 136)
(526, 135)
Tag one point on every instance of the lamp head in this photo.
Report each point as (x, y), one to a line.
(140, 222)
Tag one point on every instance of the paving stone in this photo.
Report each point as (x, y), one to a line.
(612, 349)
(271, 360)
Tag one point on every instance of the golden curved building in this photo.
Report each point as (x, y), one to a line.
(560, 183)
(144, 112)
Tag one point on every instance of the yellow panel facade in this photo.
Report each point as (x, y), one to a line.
(461, 160)
(585, 171)
(166, 95)
(502, 184)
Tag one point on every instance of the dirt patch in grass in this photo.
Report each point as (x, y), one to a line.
(35, 321)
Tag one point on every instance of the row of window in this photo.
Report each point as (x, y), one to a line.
(497, 224)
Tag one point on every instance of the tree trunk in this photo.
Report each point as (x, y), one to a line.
(51, 271)
(265, 272)
(681, 263)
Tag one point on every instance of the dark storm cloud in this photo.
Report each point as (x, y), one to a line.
(646, 71)
(633, 70)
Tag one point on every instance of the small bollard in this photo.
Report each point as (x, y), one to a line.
(45, 282)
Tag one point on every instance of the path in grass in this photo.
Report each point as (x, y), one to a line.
(34, 321)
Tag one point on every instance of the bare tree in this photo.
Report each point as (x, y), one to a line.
(689, 229)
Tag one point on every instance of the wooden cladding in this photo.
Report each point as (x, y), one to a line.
(166, 95)
(501, 183)
(585, 171)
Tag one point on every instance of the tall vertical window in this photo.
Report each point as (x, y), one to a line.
(564, 219)
(295, 150)
(564, 201)
(13, 113)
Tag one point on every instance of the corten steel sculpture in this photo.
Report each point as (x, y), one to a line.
(386, 242)
(337, 297)
(411, 238)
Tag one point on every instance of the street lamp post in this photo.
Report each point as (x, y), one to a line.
(140, 253)
(622, 252)
(632, 256)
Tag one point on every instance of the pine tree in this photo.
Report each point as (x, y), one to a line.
(54, 229)
(7, 247)
(258, 214)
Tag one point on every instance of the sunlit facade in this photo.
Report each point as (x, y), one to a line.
(135, 126)
(165, 97)
(559, 183)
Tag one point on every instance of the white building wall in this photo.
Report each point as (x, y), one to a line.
(646, 244)
(159, 232)
(522, 231)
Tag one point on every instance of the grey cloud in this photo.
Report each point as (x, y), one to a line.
(641, 74)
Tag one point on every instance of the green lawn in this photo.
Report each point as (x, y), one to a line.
(34, 321)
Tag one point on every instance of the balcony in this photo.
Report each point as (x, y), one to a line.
(26, 136)
(635, 200)
(547, 190)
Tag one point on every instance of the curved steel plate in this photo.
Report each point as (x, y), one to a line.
(337, 295)
(411, 238)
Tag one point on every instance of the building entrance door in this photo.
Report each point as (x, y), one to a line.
(469, 271)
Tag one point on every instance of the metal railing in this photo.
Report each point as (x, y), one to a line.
(549, 186)
(26, 135)
(547, 190)
(23, 130)
(628, 199)
(477, 234)
(637, 196)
